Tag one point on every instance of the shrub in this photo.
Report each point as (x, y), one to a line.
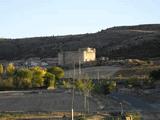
(6, 84)
(155, 75)
(105, 87)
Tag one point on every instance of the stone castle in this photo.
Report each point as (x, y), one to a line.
(81, 56)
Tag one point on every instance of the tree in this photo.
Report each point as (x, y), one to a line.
(49, 80)
(22, 78)
(85, 85)
(57, 71)
(38, 76)
(79, 84)
(66, 84)
(1, 69)
(10, 69)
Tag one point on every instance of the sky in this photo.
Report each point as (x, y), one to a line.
(32, 18)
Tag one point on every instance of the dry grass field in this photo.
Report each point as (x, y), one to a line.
(94, 72)
(42, 101)
(137, 71)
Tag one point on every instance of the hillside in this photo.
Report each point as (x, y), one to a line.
(142, 41)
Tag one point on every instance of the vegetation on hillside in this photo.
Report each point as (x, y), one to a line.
(127, 42)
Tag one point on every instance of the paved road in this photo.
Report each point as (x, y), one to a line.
(42, 101)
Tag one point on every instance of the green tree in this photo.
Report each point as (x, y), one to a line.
(22, 78)
(38, 76)
(57, 71)
(10, 69)
(79, 84)
(49, 80)
(85, 85)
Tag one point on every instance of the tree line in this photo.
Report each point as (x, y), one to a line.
(24, 78)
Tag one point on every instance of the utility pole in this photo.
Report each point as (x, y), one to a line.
(73, 90)
(85, 103)
(88, 101)
(98, 76)
(121, 109)
(79, 73)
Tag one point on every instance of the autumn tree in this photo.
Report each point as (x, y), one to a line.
(57, 71)
(38, 76)
(1, 69)
(10, 69)
(49, 80)
(23, 78)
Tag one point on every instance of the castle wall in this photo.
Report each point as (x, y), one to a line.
(70, 57)
(82, 56)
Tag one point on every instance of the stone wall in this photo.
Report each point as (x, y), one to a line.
(82, 56)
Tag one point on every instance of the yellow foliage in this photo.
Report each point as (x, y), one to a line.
(10, 69)
(1, 69)
(40, 70)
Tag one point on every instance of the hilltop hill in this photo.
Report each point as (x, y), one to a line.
(142, 41)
